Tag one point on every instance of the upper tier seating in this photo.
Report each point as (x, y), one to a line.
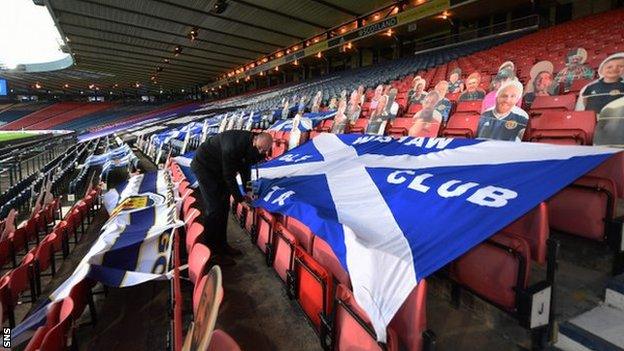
(20, 110)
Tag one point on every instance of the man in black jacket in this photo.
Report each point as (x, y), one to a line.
(216, 163)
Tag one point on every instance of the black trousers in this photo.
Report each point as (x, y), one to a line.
(216, 203)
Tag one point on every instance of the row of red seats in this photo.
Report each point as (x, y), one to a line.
(27, 275)
(315, 278)
(198, 263)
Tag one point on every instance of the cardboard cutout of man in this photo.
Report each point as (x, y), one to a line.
(427, 121)
(472, 92)
(502, 77)
(417, 93)
(575, 68)
(541, 82)
(505, 121)
(444, 105)
(456, 85)
(316, 102)
(386, 110)
(609, 87)
(353, 109)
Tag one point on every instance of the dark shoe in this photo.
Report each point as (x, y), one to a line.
(222, 261)
(231, 251)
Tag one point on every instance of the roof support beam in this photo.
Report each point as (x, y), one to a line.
(336, 7)
(282, 14)
(207, 13)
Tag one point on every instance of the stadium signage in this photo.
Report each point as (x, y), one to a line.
(408, 16)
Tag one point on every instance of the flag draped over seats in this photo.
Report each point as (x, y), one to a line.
(308, 122)
(134, 245)
(395, 211)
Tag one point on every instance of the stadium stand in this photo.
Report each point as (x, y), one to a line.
(507, 271)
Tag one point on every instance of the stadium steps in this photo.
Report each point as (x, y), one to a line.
(601, 328)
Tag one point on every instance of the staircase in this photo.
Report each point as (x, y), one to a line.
(601, 328)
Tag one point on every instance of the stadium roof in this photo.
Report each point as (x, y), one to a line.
(119, 43)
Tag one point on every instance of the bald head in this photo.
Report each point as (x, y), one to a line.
(263, 142)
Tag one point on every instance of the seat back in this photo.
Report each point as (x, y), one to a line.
(44, 253)
(194, 235)
(352, 327)
(534, 228)
(462, 125)
(198, 260)
(266, 224)
(563, 127)
(400, 127)
(495, 269)
(410, 321)
(473, 106)
(556, 102)
(314, 287)
(324, 254)
(56, 338)
(221, 341)
(284, 248)
(302, 233)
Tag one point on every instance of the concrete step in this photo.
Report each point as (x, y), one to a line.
(614, 295)
(599, 329)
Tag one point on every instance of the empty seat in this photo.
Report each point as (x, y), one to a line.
(410, 321)
(557, 102)
(221, 341)
(352, 327)
(194, 234)
(324, 254)
(360, 126)
(265, 226)
(462, 125)
(496, 270)
(198, 261)
(400, 127)
(473, 106)
(412, 110)
(563, 127)
(284, 243)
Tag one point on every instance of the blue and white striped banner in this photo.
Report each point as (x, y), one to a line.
(395, 211)
(134, 245)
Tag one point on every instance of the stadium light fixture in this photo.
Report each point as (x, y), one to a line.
(319, 54)
(38, 85)
(296, 63)
(193, 34)
(219, 7)
(65, 85)
(166, 61)
(137, 85)
(389, 32)
(177, 50)
(81, 92)
(276, 68)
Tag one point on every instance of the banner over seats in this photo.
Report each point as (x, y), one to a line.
(395, 211)
(134, 245)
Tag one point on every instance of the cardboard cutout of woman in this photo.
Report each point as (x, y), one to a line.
(316, 102)
(417, 93)
(361, 94)
(302, 104)
(444, 105)
(386, 110)
(456, 85)
(505, 121)
(341, 119)
(377, 97)
(541, 82)
(609, 87)
(472, 92)
(427, 121)
(333, 104)
(353, 109)
(575, 68)
(502, 77)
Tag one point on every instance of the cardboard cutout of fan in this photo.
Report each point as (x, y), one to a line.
(198, 337)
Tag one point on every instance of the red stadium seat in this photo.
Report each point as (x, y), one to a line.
(495, 269)
(462, 125)
(56, 338)
(584, 208)
(6, 253)
(198, 261)
(412, 110)
(360, 126)
(312, 285)
(221, 341)
(400, 127)
(323, 254)
(563, 127)
(302, 233)
(194, 234)
(266, 224)
(352, 327)
(473, 106)
(557, 102)
(283, 251)
(410, 321)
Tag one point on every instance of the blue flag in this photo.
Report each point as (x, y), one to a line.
(395, 211)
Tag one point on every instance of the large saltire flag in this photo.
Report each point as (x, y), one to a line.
(134, 245)
(184, 161)
(396, 210)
